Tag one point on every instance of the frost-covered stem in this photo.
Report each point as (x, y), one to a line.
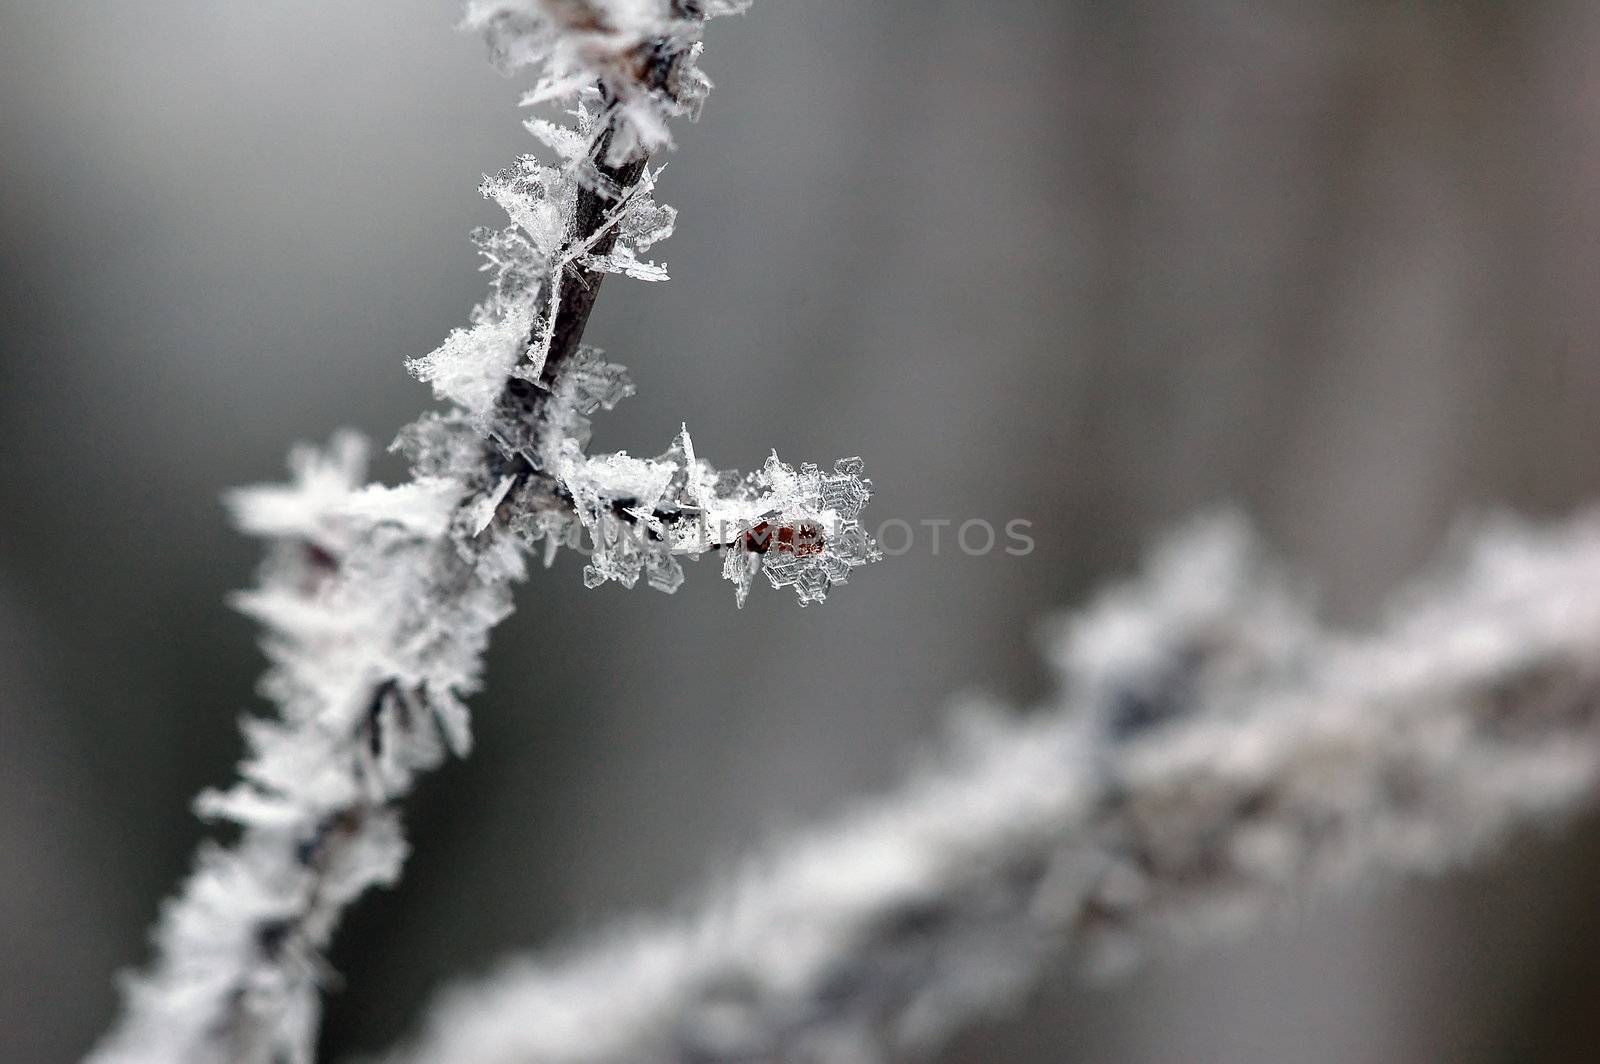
(378, 601)
(376, 622)
(577, 290)
(580, 285)
(1211, 754)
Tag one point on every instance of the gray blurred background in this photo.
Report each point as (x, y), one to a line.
(1089, 264)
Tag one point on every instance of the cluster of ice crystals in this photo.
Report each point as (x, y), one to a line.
(638, 222)
(375, 623)
(470, 368)
(644, 222)
(805, 532)
(538, 200)
(801, 527)
(528, 259)
(442, 444)
(587, 383)
(616, 44)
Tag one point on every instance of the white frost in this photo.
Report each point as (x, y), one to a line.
(1211, 752)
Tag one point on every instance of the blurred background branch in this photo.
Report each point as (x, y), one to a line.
(1211, 754)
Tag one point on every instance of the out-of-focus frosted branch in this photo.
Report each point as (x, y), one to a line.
(378, 601)
(1211, 752)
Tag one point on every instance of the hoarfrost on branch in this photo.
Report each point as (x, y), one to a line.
(377, 601)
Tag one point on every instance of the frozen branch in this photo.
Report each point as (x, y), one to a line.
(1211, 753)
(378, 601)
